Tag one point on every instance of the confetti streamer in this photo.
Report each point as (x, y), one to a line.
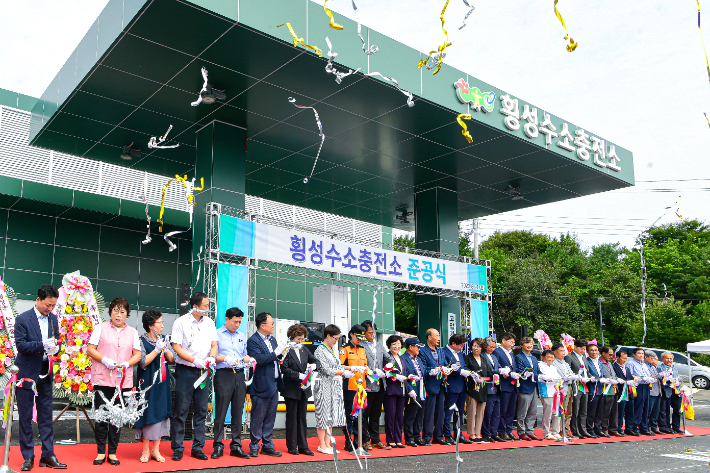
(332, 70)
(126, 411)
(333, 24)
(297, 40)
(572, 45)
(707, 64)
(189, 197)
(204, 89)
(322, 136)
(144, 198)
(438, 56)
(373, 49)
(467, 14)
(678, 208)
(465, 132)
(410, 97)
(157, 143)
(706, 117)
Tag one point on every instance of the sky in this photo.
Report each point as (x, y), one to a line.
(637, 78)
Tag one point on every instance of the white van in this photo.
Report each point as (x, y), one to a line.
(701, 374)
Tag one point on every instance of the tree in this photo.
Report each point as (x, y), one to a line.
(669, 325)
(405, 303)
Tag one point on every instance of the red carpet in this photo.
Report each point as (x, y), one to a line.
(79, 457)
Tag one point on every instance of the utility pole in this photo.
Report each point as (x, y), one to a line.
(601, 321)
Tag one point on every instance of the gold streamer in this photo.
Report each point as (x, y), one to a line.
(572, 45)
(190, 199)
(678, 208)
(706, 117)
(707, 64)
(297, 40)
(465, 132)
(333, 24)
(440, 59)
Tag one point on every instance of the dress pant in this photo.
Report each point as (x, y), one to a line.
(654, 409)
(229, 388)
(394, 418)
(595, 408)
(610, 421)
(105, 432)
(667, 404)
(434, 416)
(508, 406)
(451, 416)
(373, 412)
(185, 377)
(626, 414)
(350, 426)
(568, 405)
(413, 419)
(641, 405)
(25, 402)
(526, 413)
(474, 416)
(263, 416)
(296, 423)
(547, 420)
(491, 417)
(579, 413)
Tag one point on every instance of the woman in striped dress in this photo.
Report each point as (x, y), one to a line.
(328, 389)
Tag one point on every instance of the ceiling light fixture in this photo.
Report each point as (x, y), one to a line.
(514, 191)
(129, 153)
(403, 218)
(208, 94)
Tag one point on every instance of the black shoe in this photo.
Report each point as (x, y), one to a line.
(648, 432)
(420, 442)
(293, 451)
(28, 464)
(177, 456)
(52, 462)
(628, 432)
(592, 436)
(110, 461)
(464, 440)
(449, 441)
(635, 434)
(253, 452)
(305, 451)
(197, 454)
(678, 431)
(656, 431)
(100, 462)
(238, 452)
(665, 431)
(270, 452)
(349, 446)
(498, 438)
(441, 442)
(411, 443)
(425, 443)
(218, 451)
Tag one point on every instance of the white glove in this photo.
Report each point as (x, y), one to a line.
(280, 348)
(358, 369)
(198, 363)
(505, 371)
(302, 376)
(455, 367)
(49, 344)
(412, 394)
(603, 380)
(108, 362)
(379, 372)
(465, 373)
(125, 365)
(348, 374)
(435, 371)
(231, 361)
(648, 379)
(160, 345)
(446, 370)
(400, 378)
(515, 375)
(211, 361)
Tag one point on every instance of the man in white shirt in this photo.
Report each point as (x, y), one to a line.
(194, 340)
(565, 371)
(547, 381)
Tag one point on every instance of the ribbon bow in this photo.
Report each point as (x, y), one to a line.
(78, 287)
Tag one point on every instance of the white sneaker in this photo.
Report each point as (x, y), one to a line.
(327, 451)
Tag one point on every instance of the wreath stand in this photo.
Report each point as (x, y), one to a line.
(77, 406)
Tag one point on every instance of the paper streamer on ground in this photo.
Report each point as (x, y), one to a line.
(437, 57)
(572, 45)
(410, 97)
(204, 89)
(459, 460)
(373, 49)
(158, 143)
(297, 40)
(333, 24)
(467, 14)
(465, 132)
(339, 76)
(123, 412)
(322, 136)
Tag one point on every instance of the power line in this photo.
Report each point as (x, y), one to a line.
(676, 180)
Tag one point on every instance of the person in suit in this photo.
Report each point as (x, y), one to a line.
(595, 397)
(577, 360)
(508, 390)
(491, 417)
(456, 390)
(626, 408)
(655, 393)
(294, 369)
(528, 369)
(644, 377)
(36, 339)
(264, 389)
(414, 408)
(432, 357)
(671, 400)
(564, 370)
(397, 388)
(610, 413)
(477, 394)
(375, 389)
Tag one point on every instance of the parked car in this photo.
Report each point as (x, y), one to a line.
(701, 374)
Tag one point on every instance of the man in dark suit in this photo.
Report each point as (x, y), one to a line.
(577, 361)
(626, 408)
(264, 389)
(36, 338)
(508, 390)
(432, 357)
(414, 409)
(668, 424)
(456, 390)
(526, 409)
(595, 399)
(491, 416)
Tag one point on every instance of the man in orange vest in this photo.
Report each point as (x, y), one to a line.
(355, 356)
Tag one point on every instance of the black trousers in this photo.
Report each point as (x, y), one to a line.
(296, 423)
(434, 416)
(579, 414)
(25, 402)
(350, 421)
(185, 377)
(664, 417)
(595, 408)
(612, 421)
(373, 412)
(413, 420)
(103, 431)
(229, 388)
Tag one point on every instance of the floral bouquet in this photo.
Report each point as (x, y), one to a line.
(71, 366)
(568, 342)
(544, 339)
(7, 332)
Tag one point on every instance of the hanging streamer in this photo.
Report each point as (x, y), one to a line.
(707, 64)
(144, 197)
(204, 89)
(339, 76)
(373, 49)
(199, 267)
(437, 57)
(706, 117)
(297, 40)
(465, 132)
(410, 97)
(374, 308)
(322, 136)
(677, 208)
(572, 45)
(455, 408)
(333, 24)
(467, 14)
(157, 143)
